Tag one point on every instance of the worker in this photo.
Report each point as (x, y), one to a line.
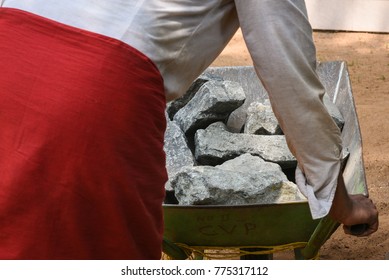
(83, 90)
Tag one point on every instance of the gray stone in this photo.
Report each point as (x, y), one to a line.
(252, 87)
(174, 106)
(331, 74)
(248, 163)
(214, 101)
(178, 154)
(244, 180)
(215, 144)
(261, 120)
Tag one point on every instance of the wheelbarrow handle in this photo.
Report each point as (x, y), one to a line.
(358, 229)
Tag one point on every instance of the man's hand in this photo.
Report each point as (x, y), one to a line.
(351, 210)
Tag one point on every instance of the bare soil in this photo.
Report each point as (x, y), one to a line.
(367, 57)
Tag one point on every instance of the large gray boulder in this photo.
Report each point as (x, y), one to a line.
(243, 180)
(178, 154)
(214, 101)
(215, 144)
(174, 106)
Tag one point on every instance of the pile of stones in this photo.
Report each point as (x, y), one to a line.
(223, 148)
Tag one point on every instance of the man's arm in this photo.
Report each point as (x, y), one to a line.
(279, 38)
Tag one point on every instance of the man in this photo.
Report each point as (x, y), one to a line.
(82, 99)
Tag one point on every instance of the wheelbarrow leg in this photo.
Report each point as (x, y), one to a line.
(173, 251)
(322, 233)
(256, 256)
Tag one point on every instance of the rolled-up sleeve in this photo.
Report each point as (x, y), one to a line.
(279, 38)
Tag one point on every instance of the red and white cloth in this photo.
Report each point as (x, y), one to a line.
(74, 105)
(93, 108)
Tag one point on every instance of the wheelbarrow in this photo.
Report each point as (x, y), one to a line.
(260, 230)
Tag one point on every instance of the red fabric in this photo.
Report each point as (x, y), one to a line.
(82, 167)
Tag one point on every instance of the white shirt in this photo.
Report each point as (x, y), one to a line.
(183, 37)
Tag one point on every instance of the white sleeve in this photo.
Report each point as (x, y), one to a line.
(279, 38)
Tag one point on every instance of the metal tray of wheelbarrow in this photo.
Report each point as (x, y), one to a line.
(268, 225)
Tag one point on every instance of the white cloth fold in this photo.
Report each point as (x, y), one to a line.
(319, 206)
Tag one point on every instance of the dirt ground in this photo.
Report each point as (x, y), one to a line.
(367, 57)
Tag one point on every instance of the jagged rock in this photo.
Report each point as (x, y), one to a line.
(243, 180)
(261, 120)
(174, 106)
(178, 154)
(215, 144)
(252, 87)
(214, 101)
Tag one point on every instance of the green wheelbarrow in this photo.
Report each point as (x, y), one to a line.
(260, 230)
